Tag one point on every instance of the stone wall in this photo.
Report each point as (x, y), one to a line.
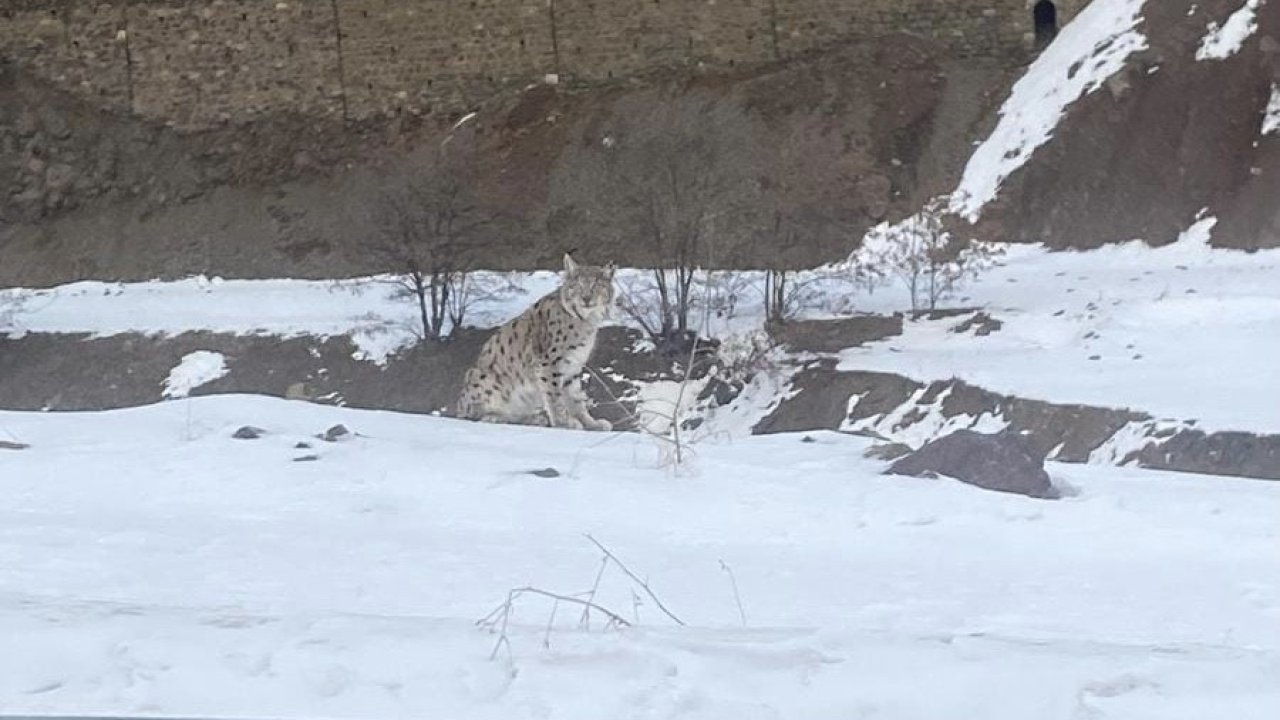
(196, 64)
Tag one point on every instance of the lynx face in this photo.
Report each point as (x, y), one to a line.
(587, 292)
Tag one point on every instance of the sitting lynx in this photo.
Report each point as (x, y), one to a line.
(529, 371)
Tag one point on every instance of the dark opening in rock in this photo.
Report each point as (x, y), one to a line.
(1045, 16)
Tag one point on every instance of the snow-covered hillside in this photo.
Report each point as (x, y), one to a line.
(1185, 332)
(201, 575)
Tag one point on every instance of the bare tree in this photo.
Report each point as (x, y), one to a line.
(426, 226)
(923, 254)
(805, 196)
(671, 190)
(669, 184)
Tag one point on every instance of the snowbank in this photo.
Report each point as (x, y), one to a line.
(211, 577)
(195, 369)
(1223, 41)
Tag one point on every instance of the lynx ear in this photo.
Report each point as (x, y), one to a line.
(569, 264)
(611, 268)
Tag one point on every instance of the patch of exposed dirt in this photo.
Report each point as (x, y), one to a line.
(830, 336)
(844, 134)
(76, 372)
(825, 400)
(70, 372)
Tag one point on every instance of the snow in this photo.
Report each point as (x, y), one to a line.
(211, 577)
(366, 309)
(195, 369)
(1222, 41)
(1184, 331)
(926, 423)
(1271, 118)
(662, 403)
(1089, 50)
(1130, 439)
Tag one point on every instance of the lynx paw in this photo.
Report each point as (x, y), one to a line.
(601, 425)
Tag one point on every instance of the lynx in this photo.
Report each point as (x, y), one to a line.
(529, 372)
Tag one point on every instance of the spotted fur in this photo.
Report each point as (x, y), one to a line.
(530, 371)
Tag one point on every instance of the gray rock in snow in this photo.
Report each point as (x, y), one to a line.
(1003, 462)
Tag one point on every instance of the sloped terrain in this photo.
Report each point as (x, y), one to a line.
(849, 136)
(1171, 132)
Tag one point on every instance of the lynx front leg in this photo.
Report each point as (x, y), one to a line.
(575, 400)
(558, 413)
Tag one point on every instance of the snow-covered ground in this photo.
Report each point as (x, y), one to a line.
(367, 309)
(1222, 41)
(1183, 332)
(150, 564)
(208, 576)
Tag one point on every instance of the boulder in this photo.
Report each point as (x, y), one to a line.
(1004, 462)
(248, 432)
(887, 451)
(337, 433)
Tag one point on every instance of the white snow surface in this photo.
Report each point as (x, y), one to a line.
(1222, 41)
(1184, 332)
(366, 309)
(1271, 118)
(195, 369)
(211, 577)
(1088, 51)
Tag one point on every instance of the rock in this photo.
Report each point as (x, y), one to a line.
(1003, 462)
(306, 458)
(337, 433)
(981, 324)
(302, 446)
(887, 451)
(248, 432)
(721, 392)
(9, 445)
(545, 473)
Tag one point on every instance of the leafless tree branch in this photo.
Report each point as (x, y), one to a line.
(643, 585)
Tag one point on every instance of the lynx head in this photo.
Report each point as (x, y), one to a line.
(587, 292)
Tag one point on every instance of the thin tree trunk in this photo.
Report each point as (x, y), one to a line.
(420, 289)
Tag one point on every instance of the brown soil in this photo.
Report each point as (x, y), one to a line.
(75, 372)
(852, 135)
(829, 336)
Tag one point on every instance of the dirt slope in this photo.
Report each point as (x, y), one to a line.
(1167, 137)
(849, 136)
